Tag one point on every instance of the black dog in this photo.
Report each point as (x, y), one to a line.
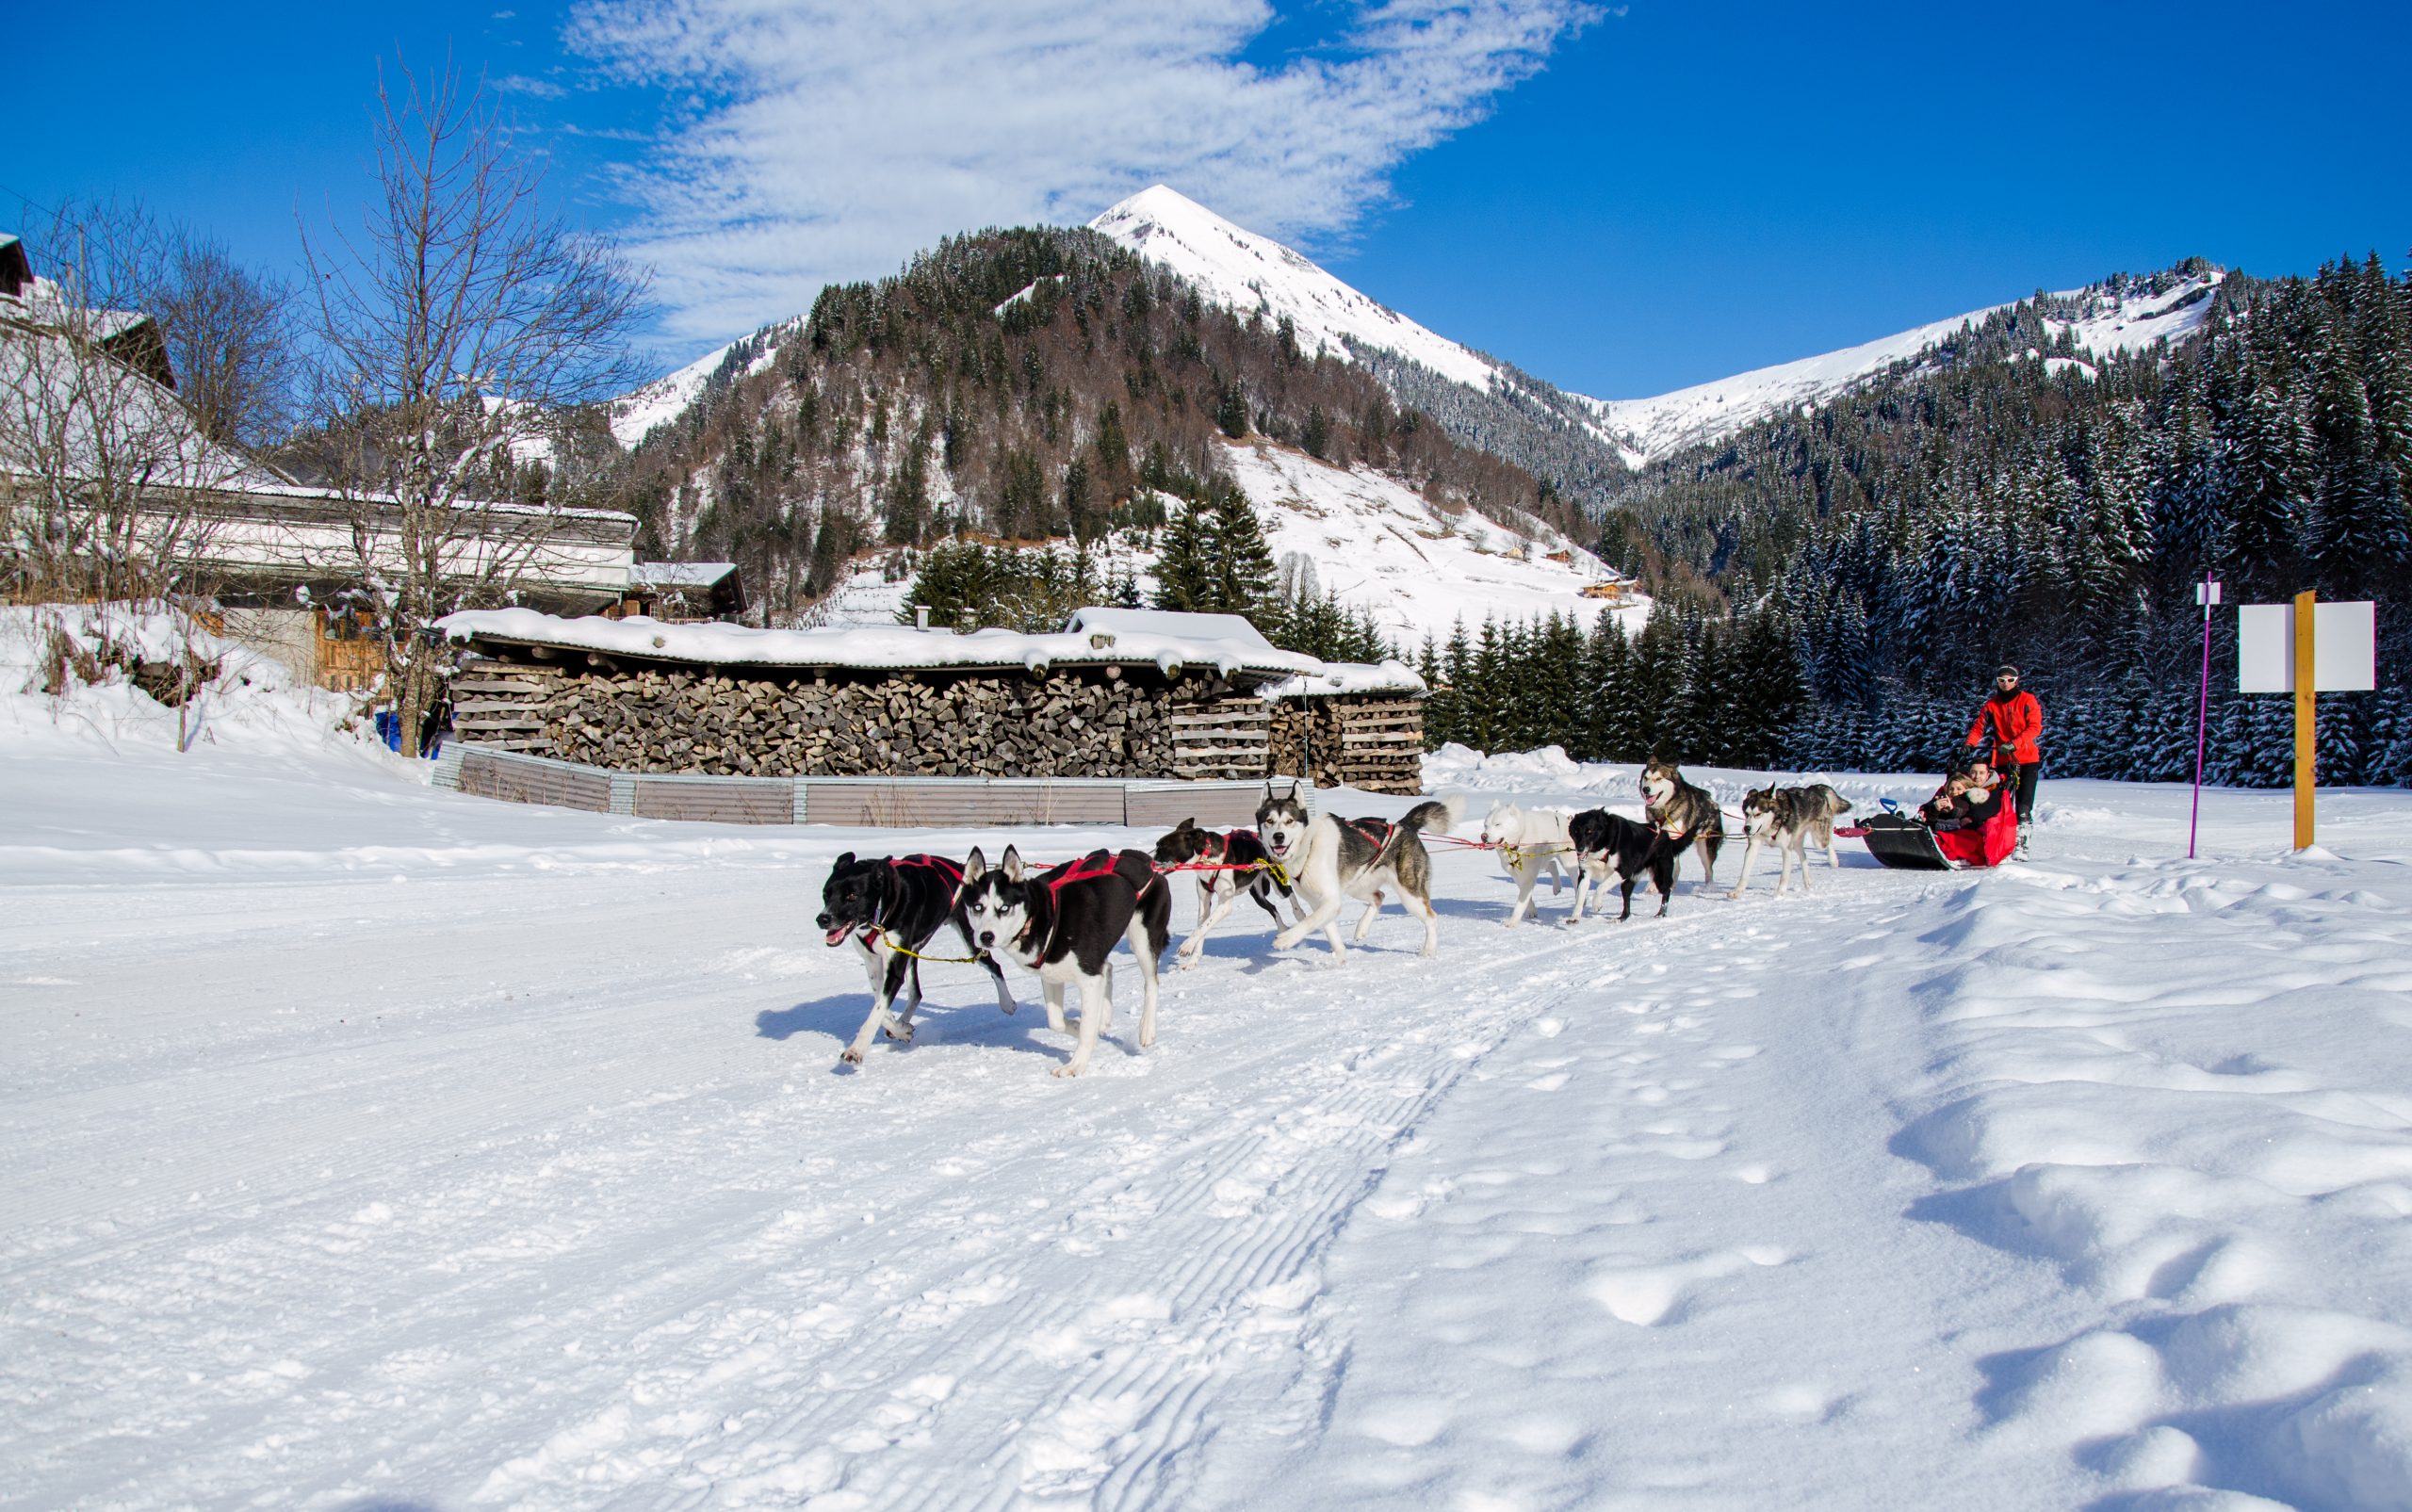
(1063, 924)
(1228, 865)
(891, 903)
(1609, 845)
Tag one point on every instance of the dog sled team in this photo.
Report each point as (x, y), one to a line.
(1061, 923)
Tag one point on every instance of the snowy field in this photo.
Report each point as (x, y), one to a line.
(367, 1146)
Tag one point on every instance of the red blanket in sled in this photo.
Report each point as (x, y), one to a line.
(1988, 845)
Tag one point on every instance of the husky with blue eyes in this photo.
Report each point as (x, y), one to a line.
(1063, 924)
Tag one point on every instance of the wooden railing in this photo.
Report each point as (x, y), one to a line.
(915, 802)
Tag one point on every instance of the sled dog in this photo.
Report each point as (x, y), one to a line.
(1533, 843)
(893, 902)
(1062, 923)
(1235, 864)
(1612, 846)
(1330, 860)
(1789, 818)
(1685, 811)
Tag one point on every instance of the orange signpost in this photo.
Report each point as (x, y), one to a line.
(2307, 716)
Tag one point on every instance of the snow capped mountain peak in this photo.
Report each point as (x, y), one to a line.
(1249, 273)
(2104, 319)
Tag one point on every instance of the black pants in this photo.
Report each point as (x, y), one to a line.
(2027, 770)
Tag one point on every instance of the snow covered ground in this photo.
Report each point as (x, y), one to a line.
(368, 1146)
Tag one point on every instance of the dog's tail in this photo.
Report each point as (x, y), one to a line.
(1440, 816)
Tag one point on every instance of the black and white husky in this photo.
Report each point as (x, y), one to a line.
(1330, 860)
(893, 902)
(1226, 866)
(1684, 810)
(1062, 924)
(1612, 846)
(1789, 818)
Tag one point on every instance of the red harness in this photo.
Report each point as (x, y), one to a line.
(1087, 868)
(1090, 868)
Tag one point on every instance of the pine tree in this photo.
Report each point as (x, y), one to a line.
(1184, 562)
(1230, 411)
(1241, 564)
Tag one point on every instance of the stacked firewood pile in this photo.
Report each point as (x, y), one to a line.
(1087, 722)
(1369, 740)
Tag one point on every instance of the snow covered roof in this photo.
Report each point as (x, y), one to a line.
(893, 648)
(1232, 629)
(64, 409)
(1337, 677)
(678, 573)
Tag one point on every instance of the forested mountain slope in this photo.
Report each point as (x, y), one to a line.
(1024, 386)
(2005, 496)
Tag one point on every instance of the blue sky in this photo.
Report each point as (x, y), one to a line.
(1621, 199)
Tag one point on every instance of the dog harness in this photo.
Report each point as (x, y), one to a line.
(949, 871)
(1090, 868)
(1217, 860)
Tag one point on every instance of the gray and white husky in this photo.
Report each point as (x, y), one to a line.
(1789, 818)
(1533, 843)
(1063, 922)
(1684, 810)
(1330, 860)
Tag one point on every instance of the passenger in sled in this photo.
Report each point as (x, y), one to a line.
(1970, 821)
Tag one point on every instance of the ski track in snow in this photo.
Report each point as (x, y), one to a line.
(526, 1178)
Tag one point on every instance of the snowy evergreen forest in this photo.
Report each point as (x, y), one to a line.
(1838, 586)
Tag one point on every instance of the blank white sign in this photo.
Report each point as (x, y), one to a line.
(2344, 649)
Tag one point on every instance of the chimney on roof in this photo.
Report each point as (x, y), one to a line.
(920, 616)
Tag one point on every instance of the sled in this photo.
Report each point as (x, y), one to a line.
(1905, 844)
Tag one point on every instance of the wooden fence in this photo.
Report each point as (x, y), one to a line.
(903, 803)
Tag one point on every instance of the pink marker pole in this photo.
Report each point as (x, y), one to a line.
(2209, 594)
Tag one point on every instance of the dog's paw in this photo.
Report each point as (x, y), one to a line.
(851, 1056)
(1737, 893)
(901, 1033)
(1066, 1070)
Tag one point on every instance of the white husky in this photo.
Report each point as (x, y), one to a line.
(1533, 843)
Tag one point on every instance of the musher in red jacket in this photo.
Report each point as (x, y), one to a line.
(2007, 725)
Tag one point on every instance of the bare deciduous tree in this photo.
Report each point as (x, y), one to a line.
(104, 463)
(457, 326)
(137, 369)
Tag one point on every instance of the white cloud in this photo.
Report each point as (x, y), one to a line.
(832, 138)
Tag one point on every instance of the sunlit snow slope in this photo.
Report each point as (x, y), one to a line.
(1383, 547)
(1246, 272)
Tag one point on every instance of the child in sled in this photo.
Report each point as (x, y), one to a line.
(1974, 820)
